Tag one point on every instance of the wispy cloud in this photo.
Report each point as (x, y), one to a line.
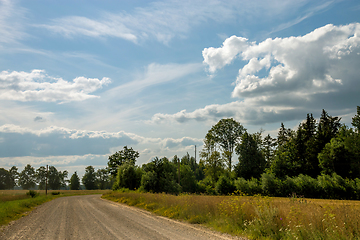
(153, 75)
(11, 22)
(164, 20)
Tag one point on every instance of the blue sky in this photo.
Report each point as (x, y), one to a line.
(81, 79)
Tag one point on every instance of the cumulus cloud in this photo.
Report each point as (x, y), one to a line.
(285, 78)
(38, 86)
(318, 62)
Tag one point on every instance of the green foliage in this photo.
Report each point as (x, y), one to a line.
(187, 179)
(160, 175)
(56, 178)
(128, 176)
(224, 186)
(103, 179)
(251, 160)
(5, 179)
(75, 182)
(89, 178)
(32, 193)
(127, 155)
(41, 177)
(226, 133)
(27, 177)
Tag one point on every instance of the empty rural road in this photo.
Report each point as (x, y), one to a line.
(90, 217)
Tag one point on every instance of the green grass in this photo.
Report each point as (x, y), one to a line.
(256, 217)
(15, 203)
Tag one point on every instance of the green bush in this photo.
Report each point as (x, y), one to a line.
(269, 184)
(32, 193)
(224, 185)
(55, 193)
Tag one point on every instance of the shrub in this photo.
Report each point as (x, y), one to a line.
(269, 184)
(32, 193)
(224, 185)
(55, 193)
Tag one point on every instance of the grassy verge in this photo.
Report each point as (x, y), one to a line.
(256, 217)
(16, 203)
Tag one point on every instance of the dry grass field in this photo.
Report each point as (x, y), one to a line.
(256, 217)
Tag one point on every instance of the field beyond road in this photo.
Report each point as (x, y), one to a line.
(90, 217)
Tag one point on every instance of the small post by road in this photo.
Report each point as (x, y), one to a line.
(46, 178)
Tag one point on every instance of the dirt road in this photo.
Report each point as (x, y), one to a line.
(90, 217)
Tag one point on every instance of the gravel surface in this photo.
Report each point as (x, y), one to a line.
(90, 217)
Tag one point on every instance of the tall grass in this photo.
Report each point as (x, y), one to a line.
(256, 217)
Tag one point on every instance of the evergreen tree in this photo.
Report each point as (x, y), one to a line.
(74, 182)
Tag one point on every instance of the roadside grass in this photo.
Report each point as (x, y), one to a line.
(15, 204)
(256, 217)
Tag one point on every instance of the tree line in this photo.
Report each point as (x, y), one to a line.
(29, 178)
(321, 158)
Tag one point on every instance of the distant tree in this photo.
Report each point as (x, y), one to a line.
(356, 120)
(251, 160)
(41, 177)
(160, 175)
(89, 178)
(5, 179)
(102, 178)
(226, 133)
(187, 179)
(129, 176)
(14, 176)
(74, 182)
(56, 178)
(127, 155)
(214, 165)
(27, 177)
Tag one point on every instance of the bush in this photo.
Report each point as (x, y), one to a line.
(32, 193)
(55, 193)
(224, 185)
(269, 184)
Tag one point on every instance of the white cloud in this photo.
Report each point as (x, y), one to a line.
(155, 74)
(38, 86)
(11, 16)
(302, 74)
(164, 20)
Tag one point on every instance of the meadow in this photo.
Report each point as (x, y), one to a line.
(15, 204)
(255, 217)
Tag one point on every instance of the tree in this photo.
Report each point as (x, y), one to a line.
(14, 176)
(56, 178)
(214, 166)
(129, 176)
(251, 161)
(89, 178)
(226, 133)
(27, 177)
(356, 120)
(102, 178)
(41, 177)
(159, 175)
(5, 179)
(127, 155)
(74, 182)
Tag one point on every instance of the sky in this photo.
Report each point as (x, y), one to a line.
(80, 79)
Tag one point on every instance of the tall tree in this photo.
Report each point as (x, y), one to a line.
(56, 178)
(27, 177)
(89, 178)
(251, 160)
(5, 179)
(74, 182)
(226, 133)
(14, 176)
(127, 155)
(41, 177)
(356, 120)
(102, 178)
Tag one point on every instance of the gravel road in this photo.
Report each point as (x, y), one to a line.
(90, 217)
